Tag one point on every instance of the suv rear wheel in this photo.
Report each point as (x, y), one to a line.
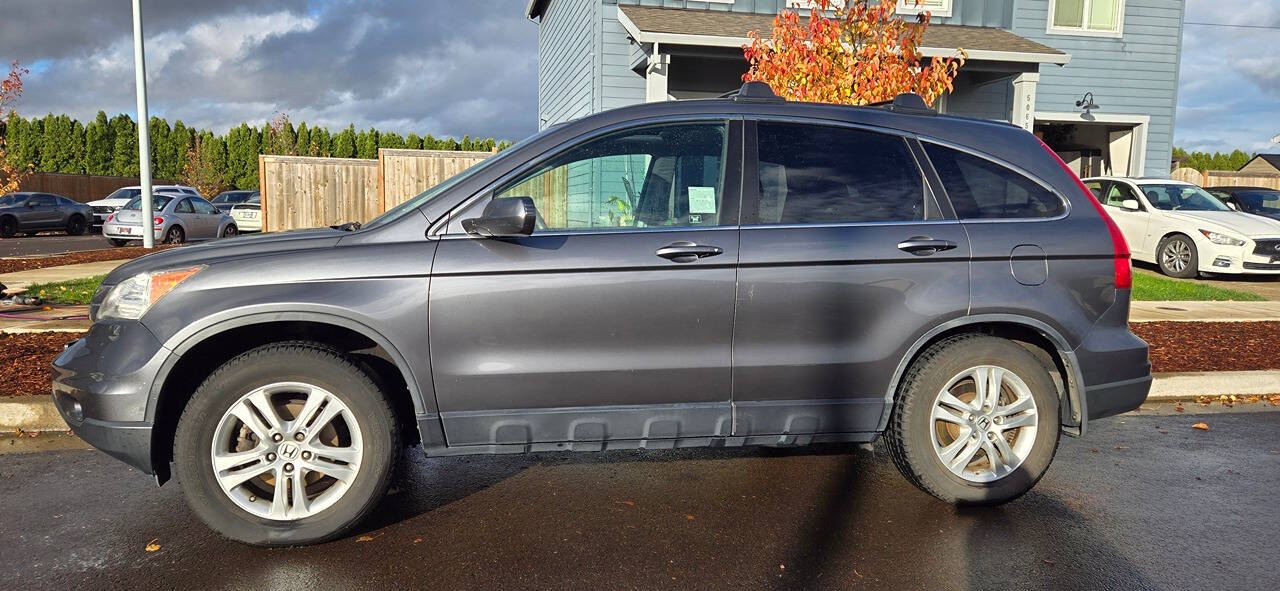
(976, 421)
(289, 443)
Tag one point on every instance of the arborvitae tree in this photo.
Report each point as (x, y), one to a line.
(242, 157)
(320, 142)
(302, 146)
(429, 142)
(413, 142)
(287, 139)
(391, 141)
(124, 155)
(31, 140)
(77, 147)
(163, 163)
(99, 142)
(466, 143)
(56, 153)
(181, 141)
(367, 144)
(344, 144)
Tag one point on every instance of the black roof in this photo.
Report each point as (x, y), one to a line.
(1235, 189)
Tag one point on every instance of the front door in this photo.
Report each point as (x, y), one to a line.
(846, 260)
(613, 320)
(42, 212)
(1133, 224)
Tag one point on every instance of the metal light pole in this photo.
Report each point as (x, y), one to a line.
(144, 140)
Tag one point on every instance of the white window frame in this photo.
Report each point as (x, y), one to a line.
(1084, 29)
(943, 10)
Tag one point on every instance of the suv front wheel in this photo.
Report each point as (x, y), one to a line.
(976, 421)
(289, 443)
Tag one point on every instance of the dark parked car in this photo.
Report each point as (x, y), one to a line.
(30, 213)
(1255, 200)
(226, 199)
(727, 272)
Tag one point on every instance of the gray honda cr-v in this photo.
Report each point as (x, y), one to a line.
(740, 271)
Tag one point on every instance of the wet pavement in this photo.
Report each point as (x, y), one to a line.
(1145, 501)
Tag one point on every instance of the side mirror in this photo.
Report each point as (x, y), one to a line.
(1233, 206)
(1130, 205)
(506, 217)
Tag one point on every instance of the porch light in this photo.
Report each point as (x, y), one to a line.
(1086, 103)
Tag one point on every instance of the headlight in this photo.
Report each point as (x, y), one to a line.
(131, 298)
(1217, 238)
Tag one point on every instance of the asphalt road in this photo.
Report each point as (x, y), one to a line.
(44, 244)
(1143, 502)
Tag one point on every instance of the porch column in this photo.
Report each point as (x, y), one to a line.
(1024, 99)
(655, 77)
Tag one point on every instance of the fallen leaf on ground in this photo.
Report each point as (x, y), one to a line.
(1178, 407)
(688, 517)
(369, 538)
(628, 503)
(1201, 426)
(152, 546)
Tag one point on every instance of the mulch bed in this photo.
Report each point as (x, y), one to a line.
(1211, 346)
(1175, 346)
(25, 361)
(13, 265)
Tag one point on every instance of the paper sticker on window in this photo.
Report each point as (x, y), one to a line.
(702, 199)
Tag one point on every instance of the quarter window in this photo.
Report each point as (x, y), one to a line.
(811, 174)
(650, 177)
(981, 189)
(1086, 16)
(184, 207)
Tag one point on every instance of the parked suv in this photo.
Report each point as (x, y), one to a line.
(727, 272)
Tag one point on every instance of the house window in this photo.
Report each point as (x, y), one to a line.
(937, 8)
(1086, 17)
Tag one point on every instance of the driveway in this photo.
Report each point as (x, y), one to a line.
(1267, 286)
(1146, 502)
(50, 244)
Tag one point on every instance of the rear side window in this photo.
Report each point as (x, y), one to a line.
(812, 174)
(982, 189)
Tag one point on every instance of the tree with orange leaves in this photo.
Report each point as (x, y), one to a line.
(11, 173)
(862, 53)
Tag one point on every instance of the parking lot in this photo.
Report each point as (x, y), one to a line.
(51, 243)
(1146, 502)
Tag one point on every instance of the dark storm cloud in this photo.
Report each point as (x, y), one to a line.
(441, 67)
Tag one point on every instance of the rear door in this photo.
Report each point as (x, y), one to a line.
(846, 259)
(1133, 224)
(613, 320)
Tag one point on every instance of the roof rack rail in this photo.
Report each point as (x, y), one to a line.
(907, 103)
(753, 92)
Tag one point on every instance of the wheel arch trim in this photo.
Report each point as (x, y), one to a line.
(1074, 379)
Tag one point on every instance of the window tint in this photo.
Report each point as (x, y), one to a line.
(184, 207)
(982, 189)
(812, 174)
(43, 200)
(1096, 188)
(203, 206)
(1260, 202)
(659, 176)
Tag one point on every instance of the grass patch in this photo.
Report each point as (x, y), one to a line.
(1154, 288)
(75, 291)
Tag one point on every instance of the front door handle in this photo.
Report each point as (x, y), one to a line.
(925, 246)
(684, 251)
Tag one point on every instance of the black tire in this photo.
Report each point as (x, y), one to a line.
(75, 226)
(175, 235)
(1178, 243)
(8, 226)
(117, 242)
(310, 363)
(910, 439)
(230, 231)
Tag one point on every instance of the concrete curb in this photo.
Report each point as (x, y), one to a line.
(33, 414)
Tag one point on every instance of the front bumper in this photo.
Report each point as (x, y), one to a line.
(102, 387)
(1236, 260)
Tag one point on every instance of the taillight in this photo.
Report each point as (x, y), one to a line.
(1120, 262)
(111, 216)
(159, 221)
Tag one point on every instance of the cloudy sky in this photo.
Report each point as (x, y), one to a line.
(454, 67)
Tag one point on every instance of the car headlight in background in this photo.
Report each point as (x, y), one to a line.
(131, 298)
(1224, 239)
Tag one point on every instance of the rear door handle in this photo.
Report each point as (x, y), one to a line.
(925, 246)
(683, 251)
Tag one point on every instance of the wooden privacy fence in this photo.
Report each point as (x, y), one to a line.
(1224, 178)
(305, 192)
(81, 187)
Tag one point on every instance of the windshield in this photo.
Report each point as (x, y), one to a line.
(1260, 202)
(440, 189)
(124, 194)
(158, 202)
(231, 198)
(1181, 198)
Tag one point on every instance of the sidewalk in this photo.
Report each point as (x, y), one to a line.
(1204, 311)
(22, 279)
(26, 320)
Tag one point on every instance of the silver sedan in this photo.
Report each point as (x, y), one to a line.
(178, 218)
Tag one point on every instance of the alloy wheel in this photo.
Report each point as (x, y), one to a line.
(1176, 256)
(984, 423)
(286, 451)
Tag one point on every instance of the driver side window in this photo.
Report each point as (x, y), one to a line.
(655, 176)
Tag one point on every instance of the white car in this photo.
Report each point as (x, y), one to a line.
(248, 214)
(1187, 231)
(122, 196)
